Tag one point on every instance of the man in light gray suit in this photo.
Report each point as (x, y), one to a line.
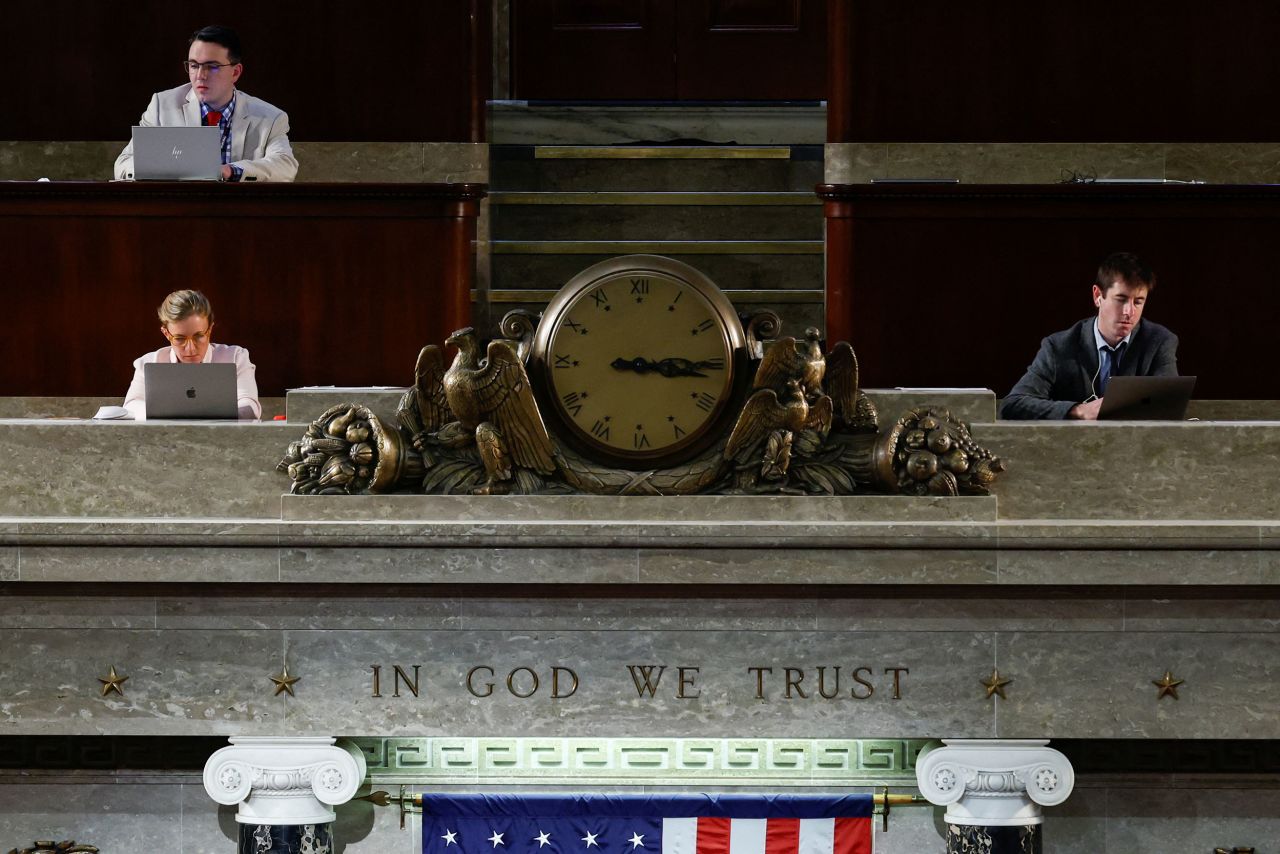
(255, 135)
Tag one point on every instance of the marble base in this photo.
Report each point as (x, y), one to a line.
(994, 840)
(286, 839)
(413, 162)
(520, 123)
(972, 405)
(84, 407)
(1048, 163)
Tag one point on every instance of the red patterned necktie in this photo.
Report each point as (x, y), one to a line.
(212, 118)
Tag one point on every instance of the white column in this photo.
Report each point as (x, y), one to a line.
(995, 782)
(283, 781)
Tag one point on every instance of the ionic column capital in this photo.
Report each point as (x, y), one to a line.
(283, 781)
(995, 782)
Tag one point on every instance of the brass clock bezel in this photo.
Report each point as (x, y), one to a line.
(727, 323)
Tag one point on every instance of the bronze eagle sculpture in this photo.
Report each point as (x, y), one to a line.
(487, 401)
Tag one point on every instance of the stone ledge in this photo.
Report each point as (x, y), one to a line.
(499, 530)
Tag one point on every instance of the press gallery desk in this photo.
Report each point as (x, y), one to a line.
(324, 283)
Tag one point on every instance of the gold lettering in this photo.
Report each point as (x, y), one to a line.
(511, 683)
(822, 684)
(555, 682)
(856, 678)
(377, 680)
(645, 671)
(488, 686)
(795, 676)
(759, 672)
(687, 682)
(897, 680)
(399, 674)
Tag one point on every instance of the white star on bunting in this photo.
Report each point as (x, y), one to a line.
(496, 839)
(636, 840)
(450, 837)
(590, 839)
(543, 838)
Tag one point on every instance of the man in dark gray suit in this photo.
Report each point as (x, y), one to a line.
(1070, 373)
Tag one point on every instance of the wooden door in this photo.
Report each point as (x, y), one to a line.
(593, 50)
(751, 50)
(664, 50)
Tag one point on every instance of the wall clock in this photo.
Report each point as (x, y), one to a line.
(639, 361)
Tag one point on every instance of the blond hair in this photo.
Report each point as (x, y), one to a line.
(182, 304)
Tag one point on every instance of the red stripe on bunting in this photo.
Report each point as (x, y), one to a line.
(713, 835)
(782, 836)
(853, 836)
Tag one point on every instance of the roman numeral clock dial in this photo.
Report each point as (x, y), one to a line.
(640, 359)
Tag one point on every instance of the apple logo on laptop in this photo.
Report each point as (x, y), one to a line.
(191, 392)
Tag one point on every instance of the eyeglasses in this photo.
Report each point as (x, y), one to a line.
(211, 68)
(181, 341)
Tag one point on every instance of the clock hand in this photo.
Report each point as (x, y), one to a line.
(669, 367)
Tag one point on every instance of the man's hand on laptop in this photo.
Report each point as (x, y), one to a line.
(1087, 411)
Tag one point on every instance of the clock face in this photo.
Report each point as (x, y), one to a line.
(639, 360)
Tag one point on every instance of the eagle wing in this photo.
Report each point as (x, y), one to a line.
(780, 364)
(762, 415)
(842, 380)
(820, 415)
(502, 390)
(424, 407)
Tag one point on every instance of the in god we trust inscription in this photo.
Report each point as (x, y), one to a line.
(650, 681)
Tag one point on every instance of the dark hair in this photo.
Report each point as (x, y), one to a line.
(216, 34)
(1125, 267)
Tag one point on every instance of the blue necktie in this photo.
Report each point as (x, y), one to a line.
(1108, 359)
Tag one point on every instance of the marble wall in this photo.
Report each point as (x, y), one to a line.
(504, 665)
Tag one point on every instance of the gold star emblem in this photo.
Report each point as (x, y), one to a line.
(995, 685)
(284, 682)
(113, 682)
(1168, 686)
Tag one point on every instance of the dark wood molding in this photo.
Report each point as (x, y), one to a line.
(840, 71)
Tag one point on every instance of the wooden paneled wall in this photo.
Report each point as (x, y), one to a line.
(390, 70)
(326, 284)
(956, 285)
(1019, 71)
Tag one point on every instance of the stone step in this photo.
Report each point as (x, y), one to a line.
(783, 276)
(510, 270)
(656, 216)
(795, 168)
(798, 311)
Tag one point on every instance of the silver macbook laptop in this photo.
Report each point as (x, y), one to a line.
(1147, 398)
(177, 153)
(191, 391)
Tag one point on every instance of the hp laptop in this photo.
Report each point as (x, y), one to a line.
(177, 153)
(191, 391)
(1147, 398)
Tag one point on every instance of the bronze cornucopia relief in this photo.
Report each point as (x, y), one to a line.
(639, 378)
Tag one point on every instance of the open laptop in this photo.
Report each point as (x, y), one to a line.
(191, 391)
(177, 153)
(1146, 398)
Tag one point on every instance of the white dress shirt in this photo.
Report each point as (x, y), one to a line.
(135, 400)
